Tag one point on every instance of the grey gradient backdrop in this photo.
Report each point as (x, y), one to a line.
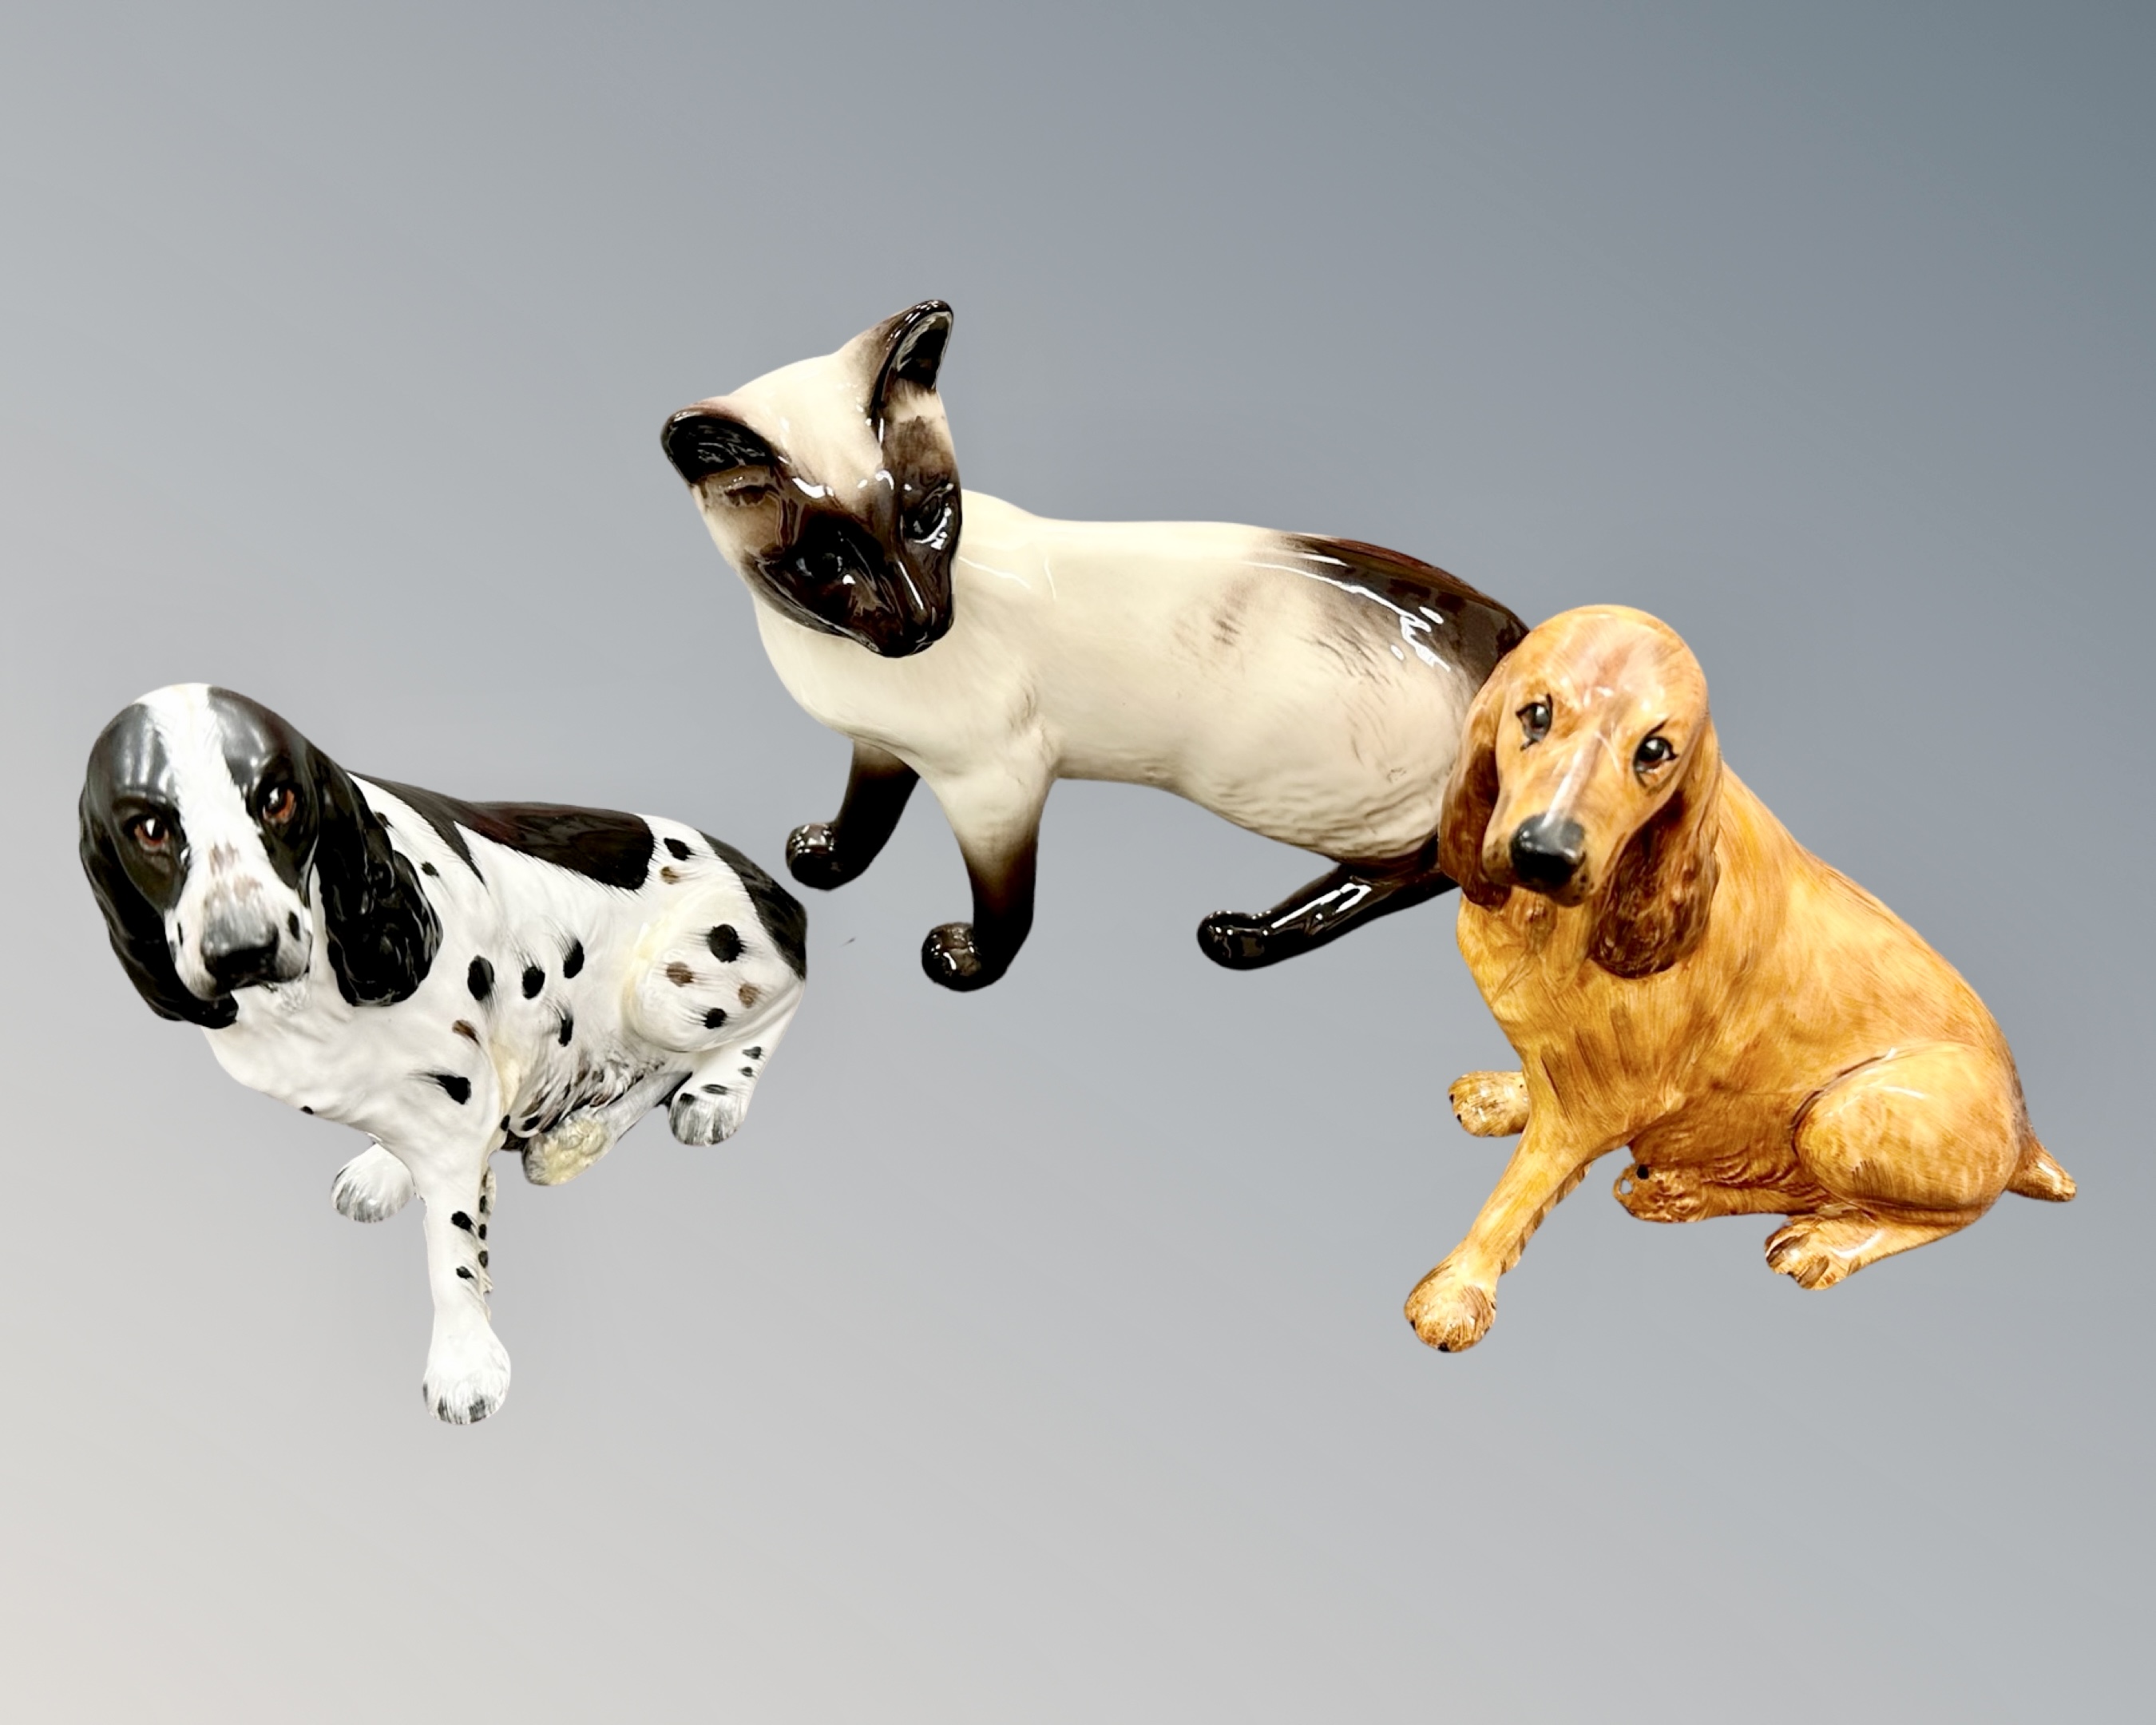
(1038, 1355)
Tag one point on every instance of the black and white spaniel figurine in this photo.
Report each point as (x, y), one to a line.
(453, 978)
(1309, 688)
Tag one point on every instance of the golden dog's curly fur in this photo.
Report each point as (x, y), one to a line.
(1767, 1036)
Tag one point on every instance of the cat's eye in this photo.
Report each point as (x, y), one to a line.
(927, 520)
(153, 833)
(1535, 720)
(279, 804)
(747, 486)
(1656, 751)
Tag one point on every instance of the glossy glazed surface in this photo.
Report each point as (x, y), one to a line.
(1309, 689)
(1677, 974)
(451, 979)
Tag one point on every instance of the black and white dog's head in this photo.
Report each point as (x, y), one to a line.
(831, 485)
(209, 824)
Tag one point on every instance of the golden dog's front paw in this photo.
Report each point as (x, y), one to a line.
(1491, 1105)
(1818, 1251)
(1449, 1312)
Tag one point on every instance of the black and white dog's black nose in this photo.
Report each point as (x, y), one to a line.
(238, 953)
(1547, 851)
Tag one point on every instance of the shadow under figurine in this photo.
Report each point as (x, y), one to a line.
(453, 978)
(1308, 689)
(1679, 975)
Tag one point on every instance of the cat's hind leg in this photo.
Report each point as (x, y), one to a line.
(1352, 893)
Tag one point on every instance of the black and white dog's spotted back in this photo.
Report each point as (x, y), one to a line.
(452, 979)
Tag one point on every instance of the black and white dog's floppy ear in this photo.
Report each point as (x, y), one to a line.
(382, 931)
(914, 342)
(137, 926)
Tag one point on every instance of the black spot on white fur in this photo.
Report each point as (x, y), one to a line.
(386, 953)
(715, 1018)
(783, 919)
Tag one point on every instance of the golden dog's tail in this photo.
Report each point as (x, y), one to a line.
(2040, 1176)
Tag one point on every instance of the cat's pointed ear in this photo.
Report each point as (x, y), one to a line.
(705, 440)
(912, 354)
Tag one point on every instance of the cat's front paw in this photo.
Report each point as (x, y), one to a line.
(811, 856)
(954, 959)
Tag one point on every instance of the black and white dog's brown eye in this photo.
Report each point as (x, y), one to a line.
(152, 832)
(1535, 720)
(279, 804)
(1655, 752)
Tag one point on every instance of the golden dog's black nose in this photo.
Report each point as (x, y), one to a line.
(1547, 851)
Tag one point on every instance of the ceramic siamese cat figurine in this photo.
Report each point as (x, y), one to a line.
(1310, 689)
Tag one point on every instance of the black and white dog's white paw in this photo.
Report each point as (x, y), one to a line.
(373, 1187)
(708, 1109)
(467, 1375)
(711, 1104)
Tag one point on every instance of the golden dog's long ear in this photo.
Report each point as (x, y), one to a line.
(1470, 795)
(1656, 907)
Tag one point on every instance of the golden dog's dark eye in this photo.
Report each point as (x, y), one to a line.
(279, 804)
(1655, 751)
(1535, 720)
(149, 831)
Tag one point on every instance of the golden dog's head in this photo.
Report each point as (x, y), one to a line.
(1589, 774)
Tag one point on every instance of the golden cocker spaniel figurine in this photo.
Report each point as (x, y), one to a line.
(1678, 974)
